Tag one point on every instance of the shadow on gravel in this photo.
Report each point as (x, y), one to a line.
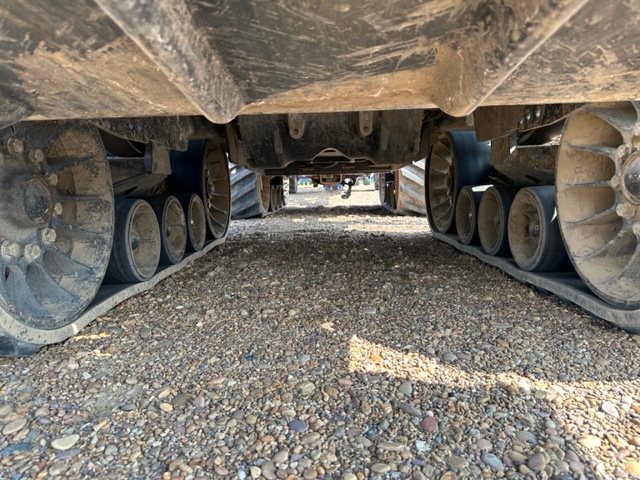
(394, 348)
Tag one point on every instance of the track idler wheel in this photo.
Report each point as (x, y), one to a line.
(136, 247)
(56, 211)
(467, 213)
(203, 169)
(534, 235)
(196, 221)
(456, 159)
(493, 215)
(173, 228)
(598, 199)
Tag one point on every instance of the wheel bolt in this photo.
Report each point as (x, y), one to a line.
(625, 210)
(10, 249)
(31, 252)
(48, 235)
(615, 181)
(52, 178)
(36, 156)
(623, 151)
(15, 145)
(58, 208)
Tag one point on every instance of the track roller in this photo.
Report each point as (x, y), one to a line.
(196, 221)
(467, 213)
(534, 235)
(493, 214)
(173, 228)
(136, 247)
(277, 198)
(456, 159)
(598, 199)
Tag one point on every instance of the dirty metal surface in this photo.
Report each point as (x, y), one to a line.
(113, 58)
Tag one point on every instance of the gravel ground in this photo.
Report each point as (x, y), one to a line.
(331, 340)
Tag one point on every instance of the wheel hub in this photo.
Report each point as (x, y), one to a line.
(631, 179)
(534, 227)
(37, 200)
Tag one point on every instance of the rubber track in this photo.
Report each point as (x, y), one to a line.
(566, 285)
(108, 297)
(245, 197)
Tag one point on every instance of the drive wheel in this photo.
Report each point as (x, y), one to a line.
(136, 247)
(456, 160)
(598, 199)
(56, 210)
(173, 228)
(203, 169)
(534, 236)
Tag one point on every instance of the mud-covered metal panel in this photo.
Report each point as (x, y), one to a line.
(69, 60)
(273, 141)
(253, 56)
(594, 57)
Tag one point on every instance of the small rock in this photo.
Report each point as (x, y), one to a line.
(255, 472)
(450, 357)
(349, 476)
(516, 457)
(537, 462)
(406, 388)
(492, 461)
(391, 446)
(409, 409)
(298, 426)
(331, 391)
(268, 470)
(14, 426)
(610, 409)
(457, 462)
(527, 437)
(251, 419)
(590, 441)
(305, 388)
(380, 468)
(632, 468)
(145, 332)
(484, 445)
(65, 443)
(166, 407)
(281, 457)
(422, 446)
(429, 424)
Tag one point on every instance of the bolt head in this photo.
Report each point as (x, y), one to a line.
(32, 251)
(625, 210)
(623, 151)
(10, 249)
(615, 181)
(48, 235)
(52, 178)
(15, 145)
(58, 208)
(36, 155)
